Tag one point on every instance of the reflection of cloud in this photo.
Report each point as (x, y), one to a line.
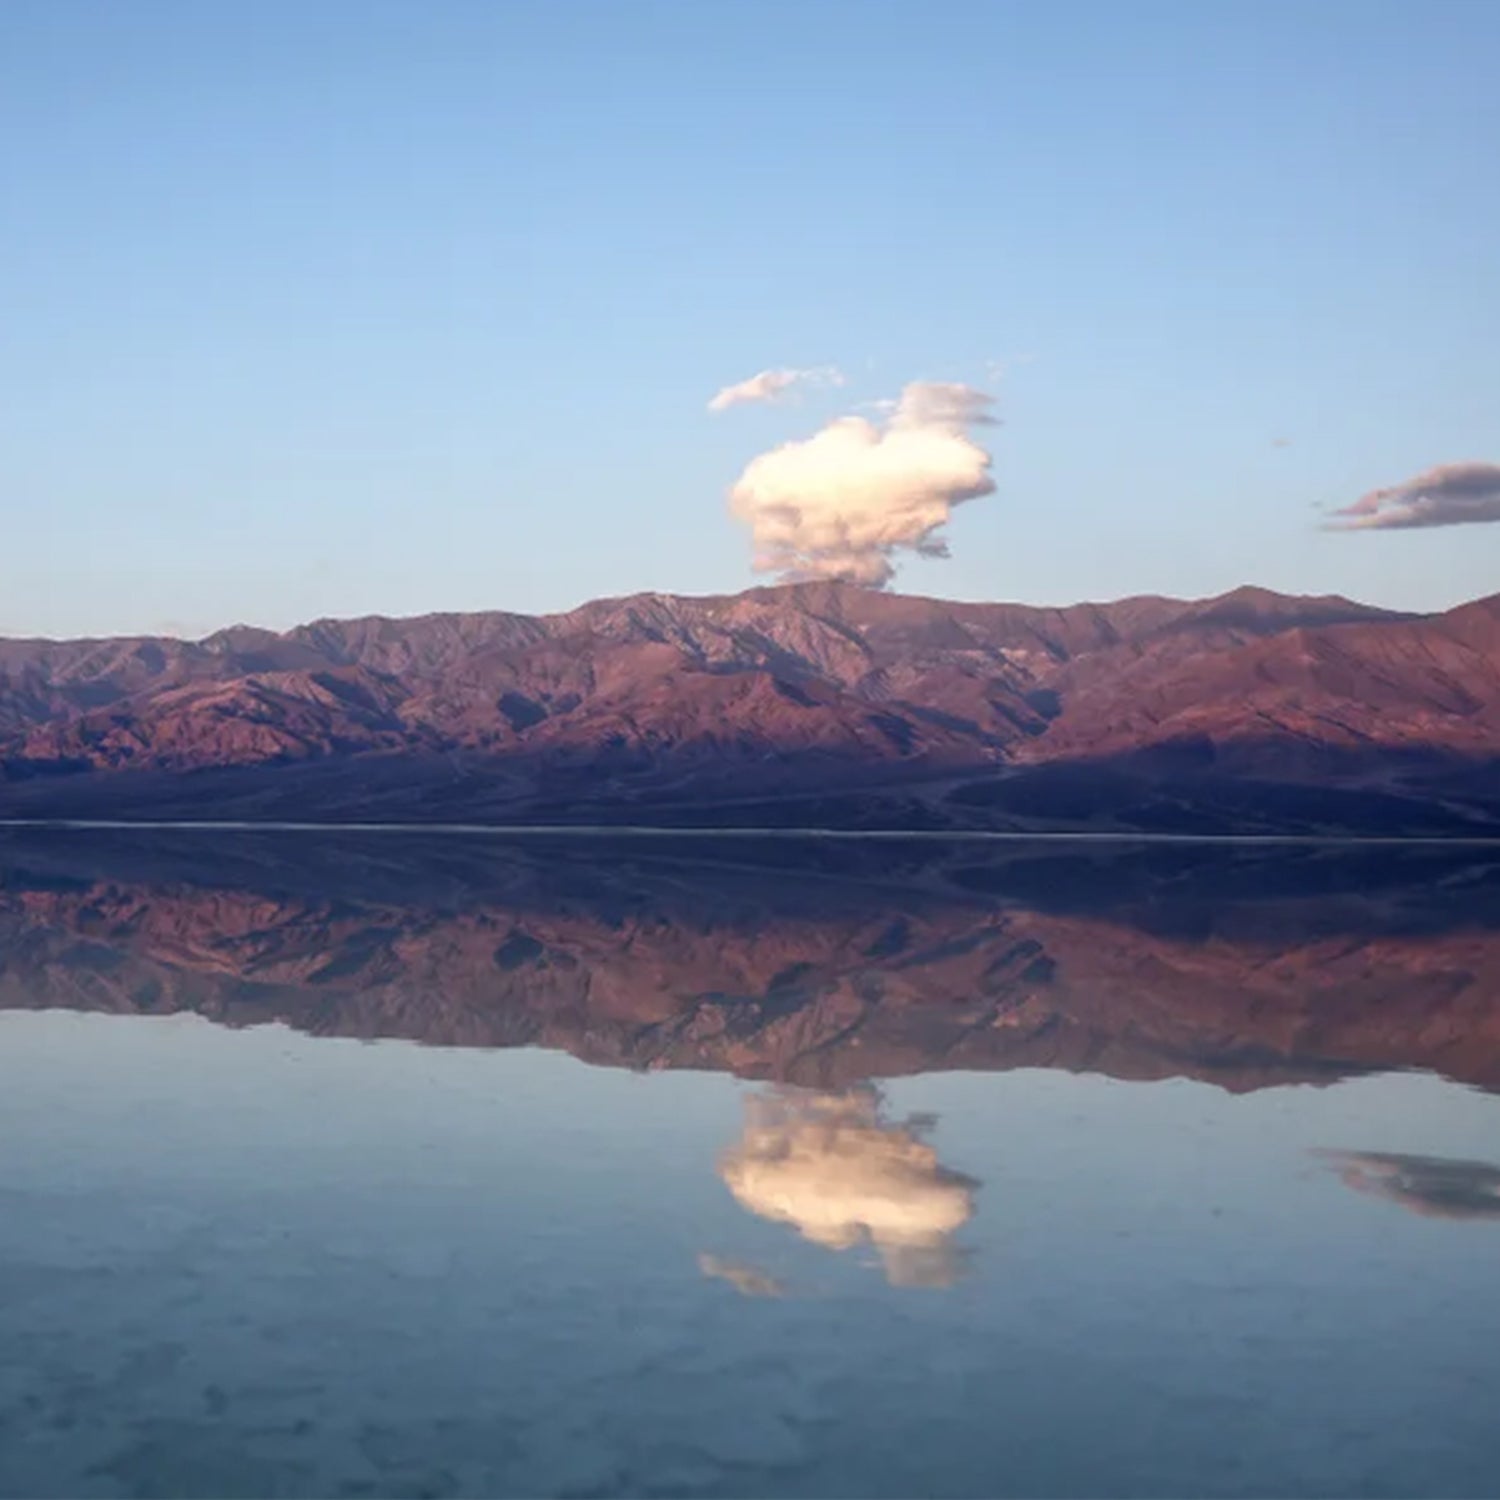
(830, 1166)
(1438, 1186)
(745, 1279)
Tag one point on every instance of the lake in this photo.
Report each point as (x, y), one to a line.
(410, 1166)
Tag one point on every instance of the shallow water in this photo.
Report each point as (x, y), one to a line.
(1117, 1206)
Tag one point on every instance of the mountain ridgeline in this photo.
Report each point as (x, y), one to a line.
(813, 705)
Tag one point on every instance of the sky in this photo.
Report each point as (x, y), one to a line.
(374, 307)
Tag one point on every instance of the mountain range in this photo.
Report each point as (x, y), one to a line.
(820, 704)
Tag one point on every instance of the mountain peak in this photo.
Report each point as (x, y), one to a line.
(1251, 606)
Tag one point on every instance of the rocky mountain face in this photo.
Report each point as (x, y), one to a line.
(901, 710)
(1245, 971)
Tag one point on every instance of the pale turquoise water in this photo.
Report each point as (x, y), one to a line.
(258, 1263)
(1137, 1171)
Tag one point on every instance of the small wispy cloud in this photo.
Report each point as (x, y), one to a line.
(1449, 495)
(997, 371)
(772, 385)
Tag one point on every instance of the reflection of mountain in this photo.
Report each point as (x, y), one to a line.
(1437, 1187)
(820, 965)
(842, 1175)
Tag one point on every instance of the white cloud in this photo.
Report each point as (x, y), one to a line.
(1449, 495)
(841, 503)
(772, 385)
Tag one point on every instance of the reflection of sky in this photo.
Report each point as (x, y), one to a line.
(1436, 1186)
(261, 1261)
(842, 1174)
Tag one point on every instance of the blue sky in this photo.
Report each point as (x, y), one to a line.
(390, 307)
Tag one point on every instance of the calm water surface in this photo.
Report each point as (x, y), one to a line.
(856, 1183)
